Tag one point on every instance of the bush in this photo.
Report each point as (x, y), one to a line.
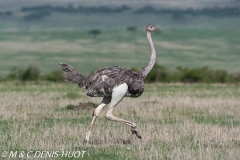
(55, 76)
(158, 73)
(189, 75)
(219, 76)
(31, 73)
(132, 28)
(94, 32)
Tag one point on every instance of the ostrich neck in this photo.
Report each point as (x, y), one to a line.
(150, 65)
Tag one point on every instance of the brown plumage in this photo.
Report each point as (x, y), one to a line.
(113, 84)
(102, 81)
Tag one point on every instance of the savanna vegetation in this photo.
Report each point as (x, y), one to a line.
(158, 74)
(182, 55)
(191, 121)
(190, 106)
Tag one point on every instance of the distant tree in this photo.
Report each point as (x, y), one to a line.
(7, 13)
(29, 74)
(132, 28)
(94, 32)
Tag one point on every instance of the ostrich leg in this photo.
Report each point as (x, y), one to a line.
(117, 95)
(95, 114)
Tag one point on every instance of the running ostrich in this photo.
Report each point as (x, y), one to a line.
(113, 84)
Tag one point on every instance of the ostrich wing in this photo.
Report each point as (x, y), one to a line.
(102, 82)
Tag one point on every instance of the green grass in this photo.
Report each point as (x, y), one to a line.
(218, 49)
(177, 121)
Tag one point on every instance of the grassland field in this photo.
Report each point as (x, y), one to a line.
(176, 121)
(218, 49)
(191, 121)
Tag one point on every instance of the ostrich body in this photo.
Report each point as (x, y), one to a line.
(113, 84)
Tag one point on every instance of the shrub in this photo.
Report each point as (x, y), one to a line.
(158, 73)
(94, 32)
(55, 76)
(219, 76)
(132, 28)
(31, 73)
(190, 75)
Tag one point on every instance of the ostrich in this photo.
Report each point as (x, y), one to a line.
(113, 84)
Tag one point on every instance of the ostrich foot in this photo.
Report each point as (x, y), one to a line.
(134, 131)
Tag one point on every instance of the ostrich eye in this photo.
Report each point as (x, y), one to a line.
(151, 26)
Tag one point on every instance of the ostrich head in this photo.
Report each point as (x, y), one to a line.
(151, 28)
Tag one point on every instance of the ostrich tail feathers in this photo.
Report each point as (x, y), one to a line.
(72, 75)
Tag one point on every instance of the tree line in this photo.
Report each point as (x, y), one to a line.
(158, 74)
(42, 11)
(79, 9)
(213, 11)
(39, 12)
(207, 11)
(72, 9)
